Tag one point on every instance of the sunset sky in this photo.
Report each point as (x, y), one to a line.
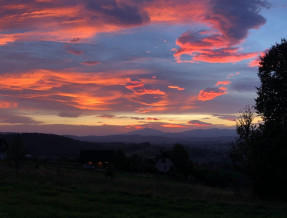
(113, 66)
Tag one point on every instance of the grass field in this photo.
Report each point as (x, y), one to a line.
(51, 191)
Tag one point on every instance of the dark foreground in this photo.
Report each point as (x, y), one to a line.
(69, 191)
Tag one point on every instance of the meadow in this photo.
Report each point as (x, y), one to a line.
(51, 190)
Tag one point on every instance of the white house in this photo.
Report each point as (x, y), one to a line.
(164, 165)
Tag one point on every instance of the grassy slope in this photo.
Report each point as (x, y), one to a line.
(66, 192)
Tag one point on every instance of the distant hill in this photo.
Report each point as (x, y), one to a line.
(159, 137)
(206, 133)
(147, 132)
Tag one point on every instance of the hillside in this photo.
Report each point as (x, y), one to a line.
(55, 146)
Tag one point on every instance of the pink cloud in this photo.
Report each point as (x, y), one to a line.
(210, 94)
(218, 41)
(232, 75)
(8, 104)
(255, 62)
(211, 54)
(176, 87)
(138, 88)
(74, 51)
(222, 88)
(223, 83)
(135, 127)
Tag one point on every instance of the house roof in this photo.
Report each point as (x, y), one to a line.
(3, 145)
(97, 156)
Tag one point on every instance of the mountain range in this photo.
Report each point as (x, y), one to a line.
(154, 136)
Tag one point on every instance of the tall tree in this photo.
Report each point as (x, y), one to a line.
(180, 159)
(262, 151)
(16, 151)
(271, 102)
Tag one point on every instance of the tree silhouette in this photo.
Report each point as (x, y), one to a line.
(16, 152)
(262, 150)
(180, 159)
(245, 129)
(271, 102)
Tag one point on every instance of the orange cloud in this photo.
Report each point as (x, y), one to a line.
(210, 93)
(223, 83)
(86, 91)
(80, 90)
(42, 80)
(176, 87)
(87, 101)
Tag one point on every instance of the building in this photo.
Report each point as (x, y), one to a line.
(97, 158)
(164, 163)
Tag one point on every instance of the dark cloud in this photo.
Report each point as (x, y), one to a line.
(75, 39)
(198, 123)
(69, 114)
(226, 117)
(108, 116)
(152, 118)
(9, 118)
(235, 18)
(74, 51)
(137, 118)
(118, 13)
